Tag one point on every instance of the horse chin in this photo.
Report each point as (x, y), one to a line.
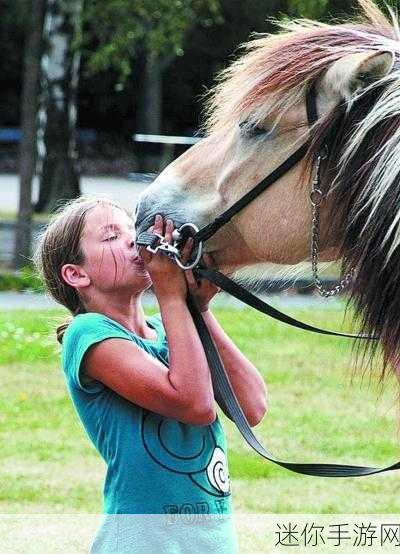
(226, 263)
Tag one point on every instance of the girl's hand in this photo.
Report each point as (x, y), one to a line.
(201, 290)
(167, 277)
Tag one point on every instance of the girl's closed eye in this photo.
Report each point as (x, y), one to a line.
(113, 237)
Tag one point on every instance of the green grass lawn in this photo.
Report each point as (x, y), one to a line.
(316, 413)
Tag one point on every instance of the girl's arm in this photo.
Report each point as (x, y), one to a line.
(184, 390)
(245, 379)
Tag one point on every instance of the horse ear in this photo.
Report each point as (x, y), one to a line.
(354, 72)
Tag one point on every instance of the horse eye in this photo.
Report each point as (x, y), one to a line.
(250, 130)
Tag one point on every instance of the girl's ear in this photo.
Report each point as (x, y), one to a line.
(75, 276)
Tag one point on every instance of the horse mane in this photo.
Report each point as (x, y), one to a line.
(362, 173)
(280, 67)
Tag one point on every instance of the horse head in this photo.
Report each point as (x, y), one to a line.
(256, 117)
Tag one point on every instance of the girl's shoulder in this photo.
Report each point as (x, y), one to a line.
(94, 324)
(84, 331)
(91, 321)
(89, 328)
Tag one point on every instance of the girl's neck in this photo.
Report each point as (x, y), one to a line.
(128, 312)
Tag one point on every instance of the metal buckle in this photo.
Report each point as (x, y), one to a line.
(164, 246)
(173, 250)
(177, 236)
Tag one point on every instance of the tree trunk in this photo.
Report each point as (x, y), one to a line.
(150, 111)
(27, 154)
(152, 96)
(59, 179)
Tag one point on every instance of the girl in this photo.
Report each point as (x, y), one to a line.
(141, 386)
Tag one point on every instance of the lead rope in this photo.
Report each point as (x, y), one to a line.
(233, 410)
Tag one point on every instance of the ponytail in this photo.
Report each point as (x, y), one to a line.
(60, 330)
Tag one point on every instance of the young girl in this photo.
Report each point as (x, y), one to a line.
(141, 386)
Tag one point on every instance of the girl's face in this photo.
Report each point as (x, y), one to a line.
(111, 258)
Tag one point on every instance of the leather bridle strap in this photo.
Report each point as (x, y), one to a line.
(233, 410)
(245, 296)
(209, 230)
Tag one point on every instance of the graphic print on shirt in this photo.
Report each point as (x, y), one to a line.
(190, 450)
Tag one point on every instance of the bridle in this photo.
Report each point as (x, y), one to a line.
(223, 391)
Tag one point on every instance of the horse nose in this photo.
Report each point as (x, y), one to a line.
(144, 213)
(167, 200)
(149, 205)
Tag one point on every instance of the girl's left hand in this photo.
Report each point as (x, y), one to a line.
(201, 290)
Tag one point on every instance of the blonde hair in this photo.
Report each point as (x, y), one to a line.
(59, 244)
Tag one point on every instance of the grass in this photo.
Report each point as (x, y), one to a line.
(24, 279)
(315, 414)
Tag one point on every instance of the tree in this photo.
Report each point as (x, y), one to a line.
(59, 179)
(14, 25)
(154, 31)
(30, 89)
(123, 28)
(313, 9)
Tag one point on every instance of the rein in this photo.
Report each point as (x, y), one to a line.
(223, 391)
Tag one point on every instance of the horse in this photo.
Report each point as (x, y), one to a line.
(256, 116)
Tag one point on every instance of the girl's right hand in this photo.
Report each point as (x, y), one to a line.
(168, 279)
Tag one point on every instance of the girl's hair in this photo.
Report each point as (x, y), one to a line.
(59, 244)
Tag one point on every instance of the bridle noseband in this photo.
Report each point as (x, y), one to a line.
(223, 391)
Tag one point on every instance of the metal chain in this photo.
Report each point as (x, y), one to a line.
(316, 198)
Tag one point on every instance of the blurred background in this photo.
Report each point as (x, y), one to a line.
(82, 78)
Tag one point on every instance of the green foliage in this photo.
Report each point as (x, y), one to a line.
(312, 9)
(122, 28)
(24, 279)
(29, 337)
